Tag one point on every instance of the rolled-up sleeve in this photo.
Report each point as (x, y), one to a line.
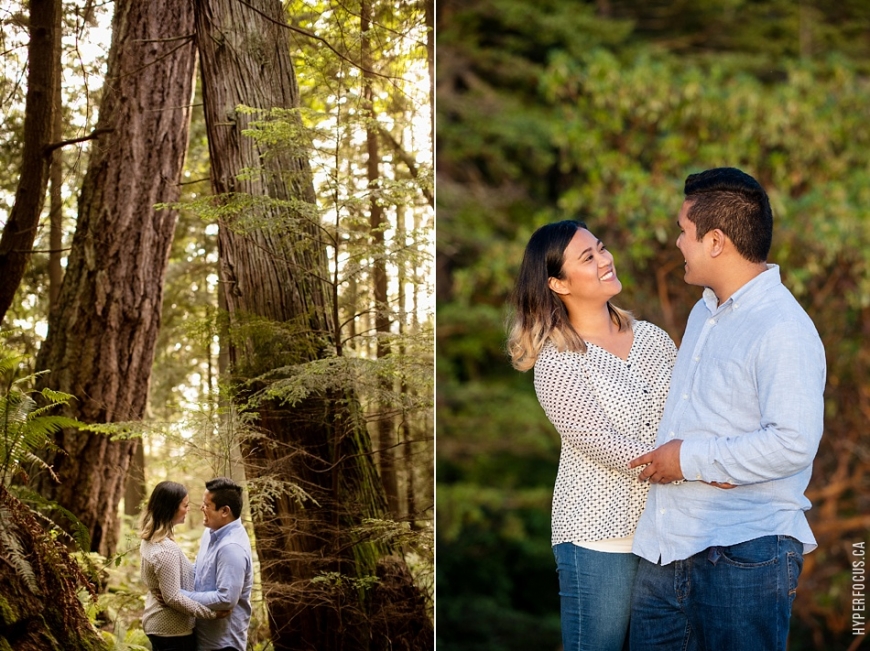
(789, 378)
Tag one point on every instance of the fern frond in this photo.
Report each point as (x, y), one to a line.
(13, 552)
(45, 409)
(56, 397)
(41, 463)
(16, 408)
(9, 362)
(25, 426)
(51, 424)
(120, 431)
(40, 506)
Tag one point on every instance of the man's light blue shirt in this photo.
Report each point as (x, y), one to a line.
(746, 399)
(223, 577)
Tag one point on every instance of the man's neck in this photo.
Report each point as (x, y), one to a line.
(739, 276)
(222, 527)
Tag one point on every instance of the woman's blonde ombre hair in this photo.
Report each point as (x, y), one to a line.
(538, 314)
(157, 520)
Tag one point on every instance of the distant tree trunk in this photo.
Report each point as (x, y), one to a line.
(134, 491)
(429, 6)
(55, 212)
(384, 423)
(273, 270)
(405, 424)
(19, 233)
(102, 333)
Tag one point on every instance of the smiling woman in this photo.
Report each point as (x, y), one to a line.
(563, 293)
(602, 378)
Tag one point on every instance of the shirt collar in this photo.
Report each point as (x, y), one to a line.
(748, 293)
(225, 530)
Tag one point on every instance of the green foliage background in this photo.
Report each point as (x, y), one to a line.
(599, 110)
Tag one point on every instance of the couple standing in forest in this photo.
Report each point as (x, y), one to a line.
(678, 511)
(206, 606)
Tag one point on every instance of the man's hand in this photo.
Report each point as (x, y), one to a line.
(663, 464)
(159, 597)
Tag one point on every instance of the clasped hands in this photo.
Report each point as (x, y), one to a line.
(663, 465)
(221, 614)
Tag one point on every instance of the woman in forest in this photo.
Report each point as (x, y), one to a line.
(168, 621)
(602, 378)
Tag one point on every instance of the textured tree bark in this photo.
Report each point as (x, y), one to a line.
(273, 266)
(135, 490)
(55, 176)
(100, 343)
(19, 233)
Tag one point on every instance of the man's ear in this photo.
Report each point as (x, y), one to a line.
(557, 285)
(717, 241)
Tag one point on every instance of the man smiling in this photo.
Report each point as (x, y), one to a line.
(719, 568)
(223, 573)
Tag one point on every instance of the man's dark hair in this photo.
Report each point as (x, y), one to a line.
(225, 492)
(735, 203)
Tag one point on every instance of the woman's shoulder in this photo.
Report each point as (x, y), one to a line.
(551, 353)
(163, 547)
(649, 329)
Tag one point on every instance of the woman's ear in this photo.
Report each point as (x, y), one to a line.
(557, 285)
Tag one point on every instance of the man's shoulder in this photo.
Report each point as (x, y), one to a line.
(236, 537)
(781, 309)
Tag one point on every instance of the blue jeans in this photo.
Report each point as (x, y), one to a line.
(735, 598)
(595, 591)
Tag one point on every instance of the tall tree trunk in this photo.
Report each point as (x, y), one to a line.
(135, 489)
(102, 333)
(55, 212)
(384, 423)
(19, 233)
(405, 424)
(429, 7)
(273, 270)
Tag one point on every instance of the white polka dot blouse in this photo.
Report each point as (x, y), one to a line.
(607, 411)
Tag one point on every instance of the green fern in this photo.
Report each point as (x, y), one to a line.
(12, 552)
(28, 422)
(42, 509)
(26, 427)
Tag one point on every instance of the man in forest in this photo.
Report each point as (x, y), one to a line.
(224, 571)
(719, 568)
